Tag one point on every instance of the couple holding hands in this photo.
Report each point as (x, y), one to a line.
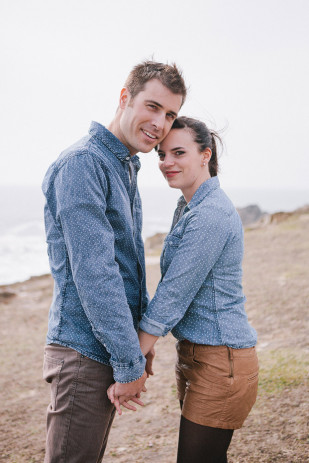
(102, 327)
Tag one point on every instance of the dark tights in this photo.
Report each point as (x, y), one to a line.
(202, 444)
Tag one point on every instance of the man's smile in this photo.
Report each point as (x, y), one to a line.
(153, 137)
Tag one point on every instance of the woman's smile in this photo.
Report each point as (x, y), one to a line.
(171, 173)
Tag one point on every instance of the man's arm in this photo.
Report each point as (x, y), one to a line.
(80, 190)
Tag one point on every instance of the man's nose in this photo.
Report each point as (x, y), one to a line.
(159, 121)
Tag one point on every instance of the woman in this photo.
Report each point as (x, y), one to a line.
(200, 299)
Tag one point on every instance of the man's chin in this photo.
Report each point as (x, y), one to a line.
(147, 149)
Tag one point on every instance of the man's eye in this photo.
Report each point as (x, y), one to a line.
(171, 116)
(152, 106)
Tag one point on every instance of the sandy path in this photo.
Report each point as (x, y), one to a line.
(276, 275)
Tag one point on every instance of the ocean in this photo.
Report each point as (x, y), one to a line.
(22, 241)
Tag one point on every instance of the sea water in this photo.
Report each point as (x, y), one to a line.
(22, 240)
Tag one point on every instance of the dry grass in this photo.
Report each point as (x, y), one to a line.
(276, 275)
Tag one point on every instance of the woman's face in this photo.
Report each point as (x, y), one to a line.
(181, 162)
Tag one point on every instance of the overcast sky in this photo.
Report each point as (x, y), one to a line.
(246, 62)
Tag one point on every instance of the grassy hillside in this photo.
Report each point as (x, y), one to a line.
(276, 276)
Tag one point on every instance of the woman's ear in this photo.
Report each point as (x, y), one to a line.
(206, 156)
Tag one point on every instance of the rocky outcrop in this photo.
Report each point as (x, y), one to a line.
(5, 296)
(250, 214)
(153, 244)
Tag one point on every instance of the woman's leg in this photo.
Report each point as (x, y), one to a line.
(202, 444)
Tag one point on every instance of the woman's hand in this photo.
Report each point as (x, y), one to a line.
(122, 393)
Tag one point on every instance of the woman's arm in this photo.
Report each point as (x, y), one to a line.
(198, 250)
(147, 341)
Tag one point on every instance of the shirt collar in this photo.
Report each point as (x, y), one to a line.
(113, 144)
(203, 190)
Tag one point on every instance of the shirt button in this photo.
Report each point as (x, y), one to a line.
(127, 158)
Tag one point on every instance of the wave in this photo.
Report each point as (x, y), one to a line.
(23, 253)
(22, 239)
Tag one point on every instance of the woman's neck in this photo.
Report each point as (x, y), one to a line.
(188, 193)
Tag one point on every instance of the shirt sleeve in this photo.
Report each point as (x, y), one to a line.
(81, 189)
(197, 251)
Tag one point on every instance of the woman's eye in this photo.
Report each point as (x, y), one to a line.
(161, 156)
(179, 153)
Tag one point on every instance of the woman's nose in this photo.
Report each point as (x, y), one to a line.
(168, 161)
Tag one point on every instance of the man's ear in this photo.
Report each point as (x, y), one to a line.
(124, 98)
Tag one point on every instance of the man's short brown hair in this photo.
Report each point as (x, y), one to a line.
(168, 74)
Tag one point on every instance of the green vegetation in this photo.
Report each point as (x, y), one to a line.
(281, 369)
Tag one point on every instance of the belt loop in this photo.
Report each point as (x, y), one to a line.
(231, 361)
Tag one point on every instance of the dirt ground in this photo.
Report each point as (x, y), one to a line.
(276, 275)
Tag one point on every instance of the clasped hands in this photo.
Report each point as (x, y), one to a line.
(123, 393)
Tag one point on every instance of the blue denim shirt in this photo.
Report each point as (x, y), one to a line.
(200, 294)
(93, 221)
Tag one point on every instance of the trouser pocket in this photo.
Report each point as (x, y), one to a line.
(51, 374)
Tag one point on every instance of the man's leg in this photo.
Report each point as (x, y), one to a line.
(80, 414)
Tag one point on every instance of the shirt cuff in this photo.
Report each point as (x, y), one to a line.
(128, 372)
(153, 327)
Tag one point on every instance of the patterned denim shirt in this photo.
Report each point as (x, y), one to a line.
(200, 294)
(93, 221)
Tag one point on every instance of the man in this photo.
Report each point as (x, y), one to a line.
(93, 227)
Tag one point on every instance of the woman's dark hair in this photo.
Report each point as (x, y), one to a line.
(203, 137)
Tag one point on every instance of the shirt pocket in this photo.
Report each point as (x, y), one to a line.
(170, 247)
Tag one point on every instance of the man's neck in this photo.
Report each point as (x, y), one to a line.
(114, 128)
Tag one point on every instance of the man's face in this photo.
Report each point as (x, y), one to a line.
(147, 118)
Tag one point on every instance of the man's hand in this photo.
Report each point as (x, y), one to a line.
(149, 359)
(123, 400)
(122, 393)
